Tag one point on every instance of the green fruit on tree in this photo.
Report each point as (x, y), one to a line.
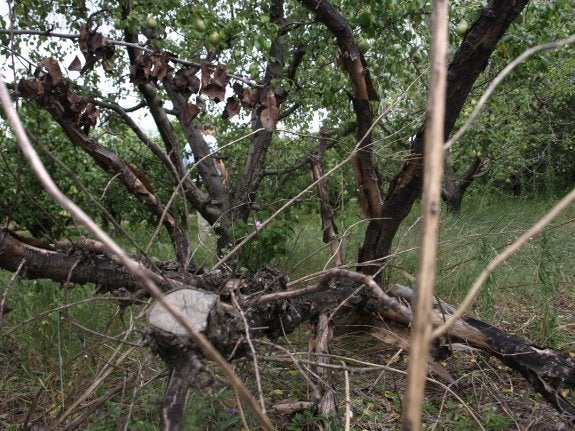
(214, 37)
(151, 22)
(462, 27)
(200, 25)
(363, 45)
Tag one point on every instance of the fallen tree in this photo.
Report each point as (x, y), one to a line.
(273, 311)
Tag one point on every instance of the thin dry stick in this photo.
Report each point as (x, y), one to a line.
(532, 232)
(500, 77)
(252, 349)
(347, 398)
(309, 382)
(104, 374)
(241, 411)
(134, 267)
(373, 367)
(433, 167)
(7, 288)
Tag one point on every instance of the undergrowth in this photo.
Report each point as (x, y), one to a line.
(57, 342)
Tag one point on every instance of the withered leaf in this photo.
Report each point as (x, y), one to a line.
(206, 74)
(221, 76)
(76, 65)
(186, 82)
(249, 98)
(83, 41)
(190, 112)
(76, 103)
(232, 108)
(161, 65)
(150, 67)
(31, 88)
(95, 46)
(107, 65)
(269, 118)
(238, 89)
(214, 92)
(53, 69)
(89, 117)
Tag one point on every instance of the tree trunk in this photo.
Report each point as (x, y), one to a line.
(453, 188)
(469, 61)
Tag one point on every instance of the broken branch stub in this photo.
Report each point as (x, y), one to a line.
(173, 343)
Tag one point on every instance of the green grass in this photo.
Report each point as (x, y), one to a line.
(56, 341)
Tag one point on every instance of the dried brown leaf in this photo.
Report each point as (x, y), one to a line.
(53, 69)
(186, 82)
(221, 76)
(95, 46)
(215, 92)
(206, 74)
(76, 65)
(31, 88)
(232, 108)
(76, 104)
(238, 89)
(83, 41)
(190, 112)
(89, 117)
(150, 68)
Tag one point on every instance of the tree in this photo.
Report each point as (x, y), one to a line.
(188, 67)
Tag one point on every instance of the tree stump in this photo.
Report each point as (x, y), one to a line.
(171, 341)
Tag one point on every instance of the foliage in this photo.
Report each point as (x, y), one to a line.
(269, 244)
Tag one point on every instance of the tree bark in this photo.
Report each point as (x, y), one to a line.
(363, 92)
(454, 189)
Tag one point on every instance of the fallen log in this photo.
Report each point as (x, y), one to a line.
(547, 370)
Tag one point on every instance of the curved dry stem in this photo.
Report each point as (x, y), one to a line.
(134, 267)
(510, 250)
(500, 77)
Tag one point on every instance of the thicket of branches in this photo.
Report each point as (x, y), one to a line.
(95, 145)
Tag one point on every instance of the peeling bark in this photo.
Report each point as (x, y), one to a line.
(363, 92)
(252, 173)
(328, 225)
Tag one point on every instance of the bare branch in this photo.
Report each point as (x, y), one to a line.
(500, 77)
(134, 267)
